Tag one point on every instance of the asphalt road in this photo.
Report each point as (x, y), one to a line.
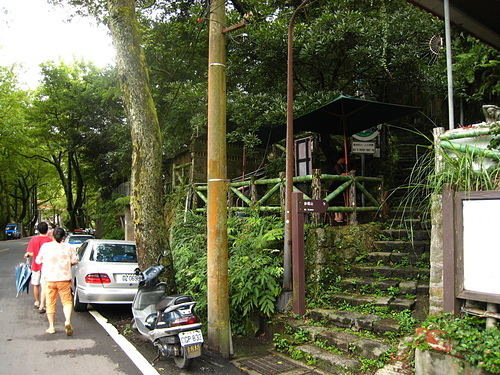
(103, 341)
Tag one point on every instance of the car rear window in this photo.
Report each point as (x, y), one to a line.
(115, 253)
(79, 239)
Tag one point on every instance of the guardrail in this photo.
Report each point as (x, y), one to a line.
(267, 195)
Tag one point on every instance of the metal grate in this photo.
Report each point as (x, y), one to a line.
(269, 365)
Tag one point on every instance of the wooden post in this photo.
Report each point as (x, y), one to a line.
(316, 193)
(352, 216)
(253, 191)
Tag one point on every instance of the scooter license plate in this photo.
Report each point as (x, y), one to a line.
(193, 351)
(191, 337)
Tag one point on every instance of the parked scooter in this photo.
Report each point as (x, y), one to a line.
(169, 322)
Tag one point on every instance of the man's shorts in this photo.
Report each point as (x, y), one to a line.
(35, 277)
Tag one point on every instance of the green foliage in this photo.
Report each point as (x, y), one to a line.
(108, 215)
(281, 344)
(406, 321)
(76, 125)
(189, 252)
(255, 267)
(476, 72)
(476, 344)
(368, 364)
(21, 177)
(462, 172)
(255, 264)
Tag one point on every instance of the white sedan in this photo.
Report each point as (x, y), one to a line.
(105, 273)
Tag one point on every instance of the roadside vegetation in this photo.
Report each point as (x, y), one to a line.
(468, 337)
(66, 145)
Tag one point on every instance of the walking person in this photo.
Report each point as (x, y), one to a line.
(57, 258)
(36, 269)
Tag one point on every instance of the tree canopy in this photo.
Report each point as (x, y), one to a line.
(377, 48)
(76, 124)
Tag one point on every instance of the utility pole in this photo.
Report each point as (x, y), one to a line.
(219, 331)
(290, 160)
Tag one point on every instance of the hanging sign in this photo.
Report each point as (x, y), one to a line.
(366, 135)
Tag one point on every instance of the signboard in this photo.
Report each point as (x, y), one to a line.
(363, 147)
(481, 258)
(312, 205)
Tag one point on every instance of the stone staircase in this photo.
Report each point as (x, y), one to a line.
(371, 313)
(347, 342)
(395, 274)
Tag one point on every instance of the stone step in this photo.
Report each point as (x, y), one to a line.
(347, 342)
(331, 362)
(405, 235)
(388, 272)
(386, 258)
(409, 223)
(392, 303)
(415, 247)
(393, 286)
(354, 320)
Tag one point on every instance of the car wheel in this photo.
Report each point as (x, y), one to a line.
(182, 361)
(77, 305)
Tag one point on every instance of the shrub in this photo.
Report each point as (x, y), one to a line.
(255, 264)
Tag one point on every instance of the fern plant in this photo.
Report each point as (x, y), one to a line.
(255, 264)
(255, 267)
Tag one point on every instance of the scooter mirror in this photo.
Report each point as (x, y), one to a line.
(137, 271)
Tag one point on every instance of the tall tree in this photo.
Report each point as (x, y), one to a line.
(146, 183)
(18, 177)
(72, 109)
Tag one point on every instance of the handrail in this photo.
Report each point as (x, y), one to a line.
(250, 202)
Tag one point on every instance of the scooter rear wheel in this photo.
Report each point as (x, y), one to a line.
(182, 361)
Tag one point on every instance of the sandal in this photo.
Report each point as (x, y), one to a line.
(41, 311)
(51, 331)
(69, 329)
(36, 305)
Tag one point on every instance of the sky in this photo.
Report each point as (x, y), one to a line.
(32, 32)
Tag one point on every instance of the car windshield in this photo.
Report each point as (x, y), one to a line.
(78, 239)
(110, 252)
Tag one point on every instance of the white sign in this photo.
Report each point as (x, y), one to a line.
(363, 147)
(481, 256)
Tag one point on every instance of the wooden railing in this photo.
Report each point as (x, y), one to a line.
(267, 195)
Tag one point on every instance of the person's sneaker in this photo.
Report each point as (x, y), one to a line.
(69, 329)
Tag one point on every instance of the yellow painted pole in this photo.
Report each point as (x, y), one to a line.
(219, 333)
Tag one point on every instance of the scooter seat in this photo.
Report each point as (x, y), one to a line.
(168, 301)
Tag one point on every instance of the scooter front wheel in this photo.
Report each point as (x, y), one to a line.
(182, 361)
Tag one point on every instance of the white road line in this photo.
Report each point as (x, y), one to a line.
(142, 364)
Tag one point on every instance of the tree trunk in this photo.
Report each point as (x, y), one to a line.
(146, 182)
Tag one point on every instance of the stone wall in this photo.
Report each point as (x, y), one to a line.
(330, 250)
(436, 295)
(432, 362)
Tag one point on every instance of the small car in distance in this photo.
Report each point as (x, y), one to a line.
(105, 273)
(76, 240)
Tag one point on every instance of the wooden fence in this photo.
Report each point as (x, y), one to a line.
(267, 195)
